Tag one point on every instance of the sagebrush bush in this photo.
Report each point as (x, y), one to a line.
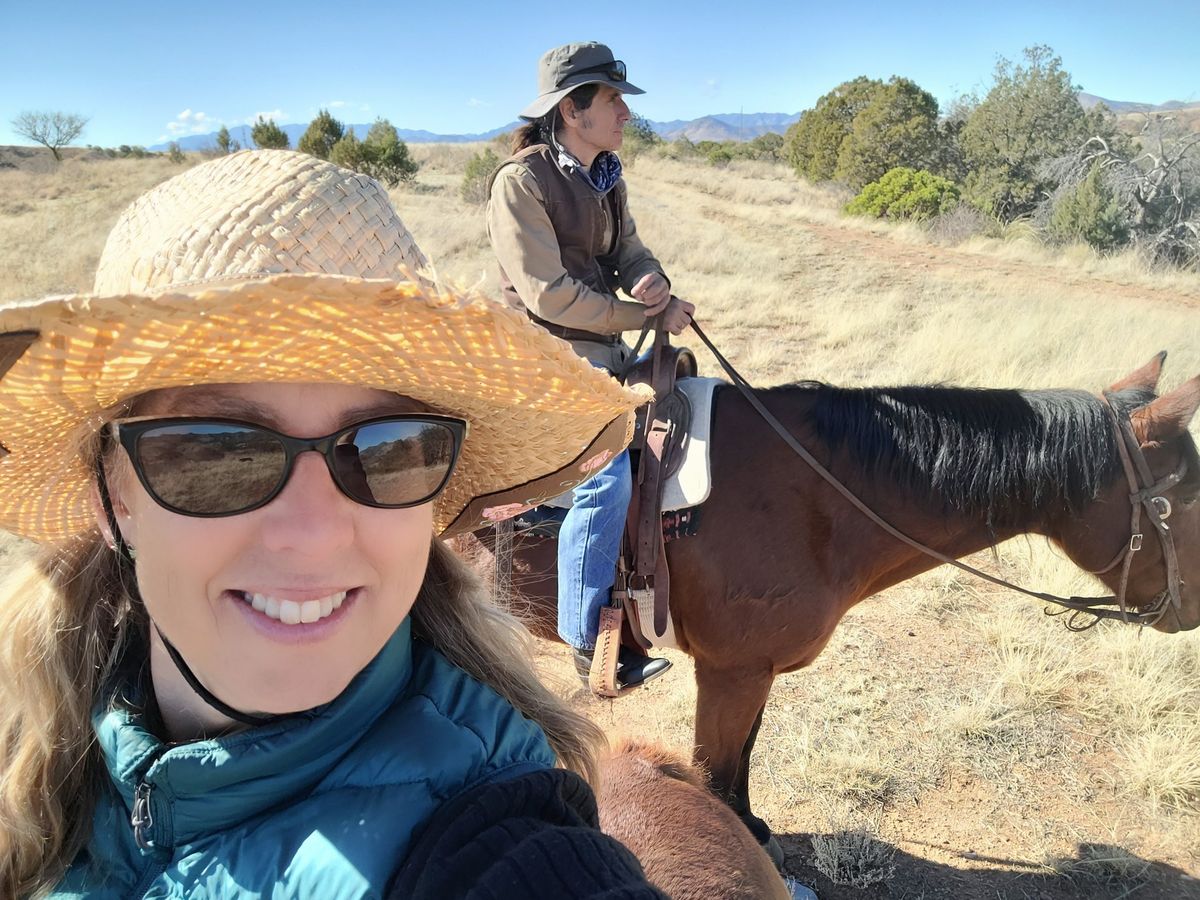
(904, 193)
(959, 223)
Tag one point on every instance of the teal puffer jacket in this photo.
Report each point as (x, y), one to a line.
(321, 805)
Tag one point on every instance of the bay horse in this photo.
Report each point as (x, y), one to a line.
(781, 555)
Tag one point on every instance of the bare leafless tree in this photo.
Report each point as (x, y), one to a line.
(1156, 179)
(52, 129)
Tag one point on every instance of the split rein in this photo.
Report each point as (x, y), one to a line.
(1145, 493)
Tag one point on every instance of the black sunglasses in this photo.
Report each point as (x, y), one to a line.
(223, 467)
(615, 70)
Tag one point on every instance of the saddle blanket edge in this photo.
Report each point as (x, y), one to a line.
(692, 483)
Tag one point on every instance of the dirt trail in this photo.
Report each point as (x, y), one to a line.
(910, 263)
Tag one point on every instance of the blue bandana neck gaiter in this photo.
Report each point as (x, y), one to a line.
(604, 174)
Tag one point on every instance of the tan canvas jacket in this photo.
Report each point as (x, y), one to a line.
(556, 276)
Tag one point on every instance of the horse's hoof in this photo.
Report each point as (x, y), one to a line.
(775, 851)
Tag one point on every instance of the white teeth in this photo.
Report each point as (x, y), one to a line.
(292, 612)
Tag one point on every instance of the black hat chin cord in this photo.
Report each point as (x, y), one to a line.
(123, 550)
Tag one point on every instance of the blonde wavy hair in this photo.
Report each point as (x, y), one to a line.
(66, 618)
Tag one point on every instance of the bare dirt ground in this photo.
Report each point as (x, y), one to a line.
(910, 264)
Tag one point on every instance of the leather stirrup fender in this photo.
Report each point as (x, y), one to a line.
(602, 678)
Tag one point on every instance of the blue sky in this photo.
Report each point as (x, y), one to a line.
(144, 71)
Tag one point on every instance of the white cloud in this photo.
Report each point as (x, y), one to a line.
(366, 107)
(187, 122)
(277, 114)
(476, 103)
(335, 104)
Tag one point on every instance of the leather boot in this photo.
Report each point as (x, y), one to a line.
(633, 668)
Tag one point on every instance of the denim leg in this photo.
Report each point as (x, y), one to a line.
(588, 546)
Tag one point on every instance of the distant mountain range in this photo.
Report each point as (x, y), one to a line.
(1087, 101)
(726, 127)
(721, 127)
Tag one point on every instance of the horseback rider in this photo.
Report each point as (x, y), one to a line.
(559, 224)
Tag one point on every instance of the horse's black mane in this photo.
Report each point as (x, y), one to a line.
(1004, 453)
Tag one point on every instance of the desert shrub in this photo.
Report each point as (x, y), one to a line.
(905, 193)
(226, 144)
(382, 155)
(175, 153)
(476, 179)
(348, 152)
(812, 144)
(897, 128)
(961, 222)
(680, 148)
(269, 136)
(1030, 115)
(387, 156)
(323, 132)
(1089, 212)
(767, 147)
(719, 156)
(639, 136)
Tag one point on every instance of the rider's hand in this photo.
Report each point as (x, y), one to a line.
(654, 291)
(678, 315)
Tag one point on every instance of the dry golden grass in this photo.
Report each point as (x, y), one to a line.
(947, 719)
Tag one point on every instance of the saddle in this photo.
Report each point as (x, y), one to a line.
(642, 588)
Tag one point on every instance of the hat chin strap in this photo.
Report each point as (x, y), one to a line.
(123, 550)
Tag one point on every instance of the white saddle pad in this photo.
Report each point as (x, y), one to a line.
(692, 482)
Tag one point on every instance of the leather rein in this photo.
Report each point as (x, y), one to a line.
(1144, 494)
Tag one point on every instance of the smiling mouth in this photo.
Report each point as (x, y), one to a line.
(292, 612)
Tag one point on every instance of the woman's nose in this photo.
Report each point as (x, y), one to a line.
(310, 512)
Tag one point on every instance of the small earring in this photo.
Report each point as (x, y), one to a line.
(129, 548)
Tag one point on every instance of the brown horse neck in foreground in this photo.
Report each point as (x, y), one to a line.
(781, 556)
(690, 844)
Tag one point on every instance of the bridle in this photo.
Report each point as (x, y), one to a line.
(1144, 493)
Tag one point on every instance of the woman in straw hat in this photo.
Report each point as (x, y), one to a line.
(560, 227)
(235, 667)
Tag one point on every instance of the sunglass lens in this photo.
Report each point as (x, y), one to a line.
(618, 71)
(397, 463)
(210, 468)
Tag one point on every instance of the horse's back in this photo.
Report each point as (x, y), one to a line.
(691, 845)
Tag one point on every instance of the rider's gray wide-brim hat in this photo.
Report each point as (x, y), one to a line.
(565, 68)
(271, 266)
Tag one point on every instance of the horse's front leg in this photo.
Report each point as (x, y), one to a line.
(729, 707)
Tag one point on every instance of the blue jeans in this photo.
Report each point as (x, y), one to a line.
(588, 546)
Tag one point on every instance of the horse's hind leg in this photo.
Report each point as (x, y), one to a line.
(729, 709)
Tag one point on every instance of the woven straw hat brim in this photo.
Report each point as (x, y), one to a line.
(541, 418)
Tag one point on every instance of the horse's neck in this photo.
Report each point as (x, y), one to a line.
(929, 517)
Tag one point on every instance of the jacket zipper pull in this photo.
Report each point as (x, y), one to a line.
(141, 819)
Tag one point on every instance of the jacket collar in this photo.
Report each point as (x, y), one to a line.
(207, 785)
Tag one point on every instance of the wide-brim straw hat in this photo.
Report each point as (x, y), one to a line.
(272, 266)
(562, 69)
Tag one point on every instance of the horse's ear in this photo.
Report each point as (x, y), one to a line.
(1145, 378)
(1169, 415)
